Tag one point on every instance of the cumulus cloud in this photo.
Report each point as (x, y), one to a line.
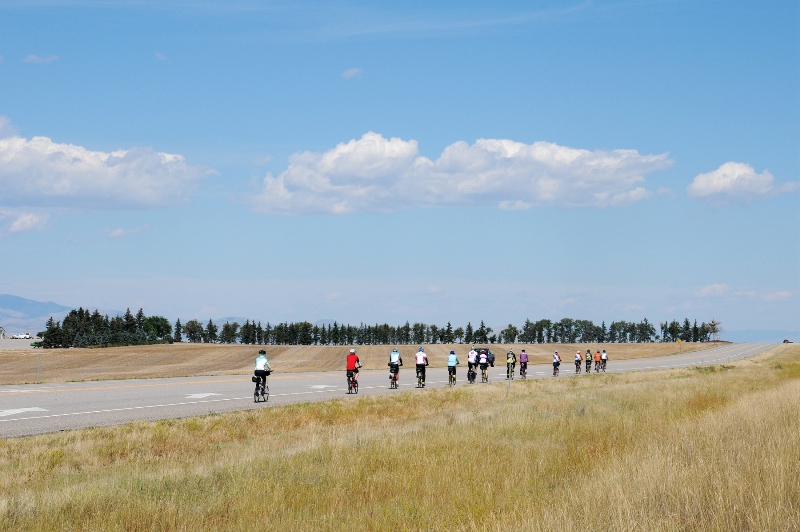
(712, 290)
(28, 222)
(33, 58)
(119, 233)
(381, 175)
(352, 73)
(777, 296)
(7, 129)
(737, 181)
(46, 173)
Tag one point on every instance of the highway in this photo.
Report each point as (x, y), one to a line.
(31, 409)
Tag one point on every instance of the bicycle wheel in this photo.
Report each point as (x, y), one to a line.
(265, 395)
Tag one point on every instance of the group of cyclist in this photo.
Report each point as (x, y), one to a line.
(476, 359)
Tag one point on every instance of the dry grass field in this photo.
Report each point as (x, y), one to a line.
(714, 448)
(180, 360)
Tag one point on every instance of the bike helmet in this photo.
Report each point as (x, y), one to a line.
(422, 349)
(352, 351)
(452, 352)
(394, 349)
(483, 351)
(262, 352)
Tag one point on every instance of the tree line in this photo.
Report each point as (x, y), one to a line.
(80, 328)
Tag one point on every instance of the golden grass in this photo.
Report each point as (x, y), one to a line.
(180, 360)
(716, 448)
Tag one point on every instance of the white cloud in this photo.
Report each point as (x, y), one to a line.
(352, 73)
(42, 172)
(736, 181)
(382, 175)
(118, 233)
(712, 290)
(28, 222)
(777, 296)
(33, 58)
(7, 129)
(264, 159)
(161, 57)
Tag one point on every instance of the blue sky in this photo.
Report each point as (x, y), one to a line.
(467, 161)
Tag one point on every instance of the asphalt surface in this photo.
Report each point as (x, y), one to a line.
(31, 409)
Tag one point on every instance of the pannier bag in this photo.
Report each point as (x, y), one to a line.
(254, 378)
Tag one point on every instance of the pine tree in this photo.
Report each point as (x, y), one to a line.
(469, 335)
(178, 328)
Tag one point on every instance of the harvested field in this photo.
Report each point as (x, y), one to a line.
(179, 360)
(686, 449)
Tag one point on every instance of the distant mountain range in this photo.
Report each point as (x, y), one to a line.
(18, 314)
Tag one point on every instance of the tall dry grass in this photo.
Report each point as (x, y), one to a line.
(708, 449)
(184, 359)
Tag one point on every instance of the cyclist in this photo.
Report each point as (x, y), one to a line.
(556, 363)
(578, 360)
(483, 362)
(421, 360)
(603, 359)
(472, 358)
(511, 361)
(353, 364)
(523, 363)
(597, 362)
(395, 361)
(472, 361)
(588, 361)
(452, 362)
(263, 369)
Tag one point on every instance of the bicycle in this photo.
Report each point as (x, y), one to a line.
(451, 376)
(603, 365)
(471, 374)
(393, 369)
(261, 393)
(523, 370)
(555, 369)
(484, 374)
(510, 372)
(588, 366)
(577, 367)
(352, 382)
(420, 378)
(597, 367)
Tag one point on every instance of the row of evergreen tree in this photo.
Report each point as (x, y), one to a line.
(82, 328)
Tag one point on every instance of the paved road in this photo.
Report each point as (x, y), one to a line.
(44, 408)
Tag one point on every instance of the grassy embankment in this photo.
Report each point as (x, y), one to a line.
(180, 360)
(713, 448)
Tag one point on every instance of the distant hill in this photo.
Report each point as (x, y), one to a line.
(760, 335)
(18, 314)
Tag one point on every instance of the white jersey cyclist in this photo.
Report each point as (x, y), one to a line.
(472, 356)
(604, 356)
(483, 358)
(421, 358)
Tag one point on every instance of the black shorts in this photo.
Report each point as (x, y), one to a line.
(523, 365)
(394, 368)
(421, 369)
(471, 365)
(556, 364)
(451, 370)
(262, 373)
(352, 372)
(484, 367)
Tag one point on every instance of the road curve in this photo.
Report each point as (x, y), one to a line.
(27, 410)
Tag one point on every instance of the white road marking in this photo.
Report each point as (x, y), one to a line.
(201, 395)
(323, 386)
(15, 411)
